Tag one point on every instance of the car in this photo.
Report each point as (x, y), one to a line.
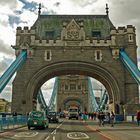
(53, 117)
(62, 115)
(37, 119)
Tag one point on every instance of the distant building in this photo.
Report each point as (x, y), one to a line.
(72, 91)
(5, 106)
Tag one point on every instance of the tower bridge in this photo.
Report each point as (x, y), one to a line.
(88, 45)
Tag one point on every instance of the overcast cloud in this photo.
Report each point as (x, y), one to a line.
(15, 13)
(84, 3)
(9, 3)
(126, 12)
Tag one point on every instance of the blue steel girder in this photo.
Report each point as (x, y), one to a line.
(130, 65)
(4, 79)
(92, 96)
(103, 100)
(53, 96)
(41, 99)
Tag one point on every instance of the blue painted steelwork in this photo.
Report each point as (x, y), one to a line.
(92, 98)
(103, 101)
(4, 79)
(53, 96)
(130, 65)
(41, 100)
(12, 122)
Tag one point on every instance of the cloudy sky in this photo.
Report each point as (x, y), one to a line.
(22, 13)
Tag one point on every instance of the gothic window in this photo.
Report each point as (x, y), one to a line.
(96, 34)
(130, 37)
(1, 108)
(49, 35)
(48, 55)
(79, 87)
(72, 86)
(66, 87)
(98, 55)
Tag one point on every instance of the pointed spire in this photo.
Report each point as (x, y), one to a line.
(39, 9)
(107, 12)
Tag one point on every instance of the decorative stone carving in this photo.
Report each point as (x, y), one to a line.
(72, 32)
(25, 39)
(115, 53)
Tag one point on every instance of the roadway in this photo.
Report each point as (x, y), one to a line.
(75, 129)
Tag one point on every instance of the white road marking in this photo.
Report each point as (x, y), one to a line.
(54, 132)
(26, 134)
(47, 138)
(59, 125)
(77, 135)
(53, 137)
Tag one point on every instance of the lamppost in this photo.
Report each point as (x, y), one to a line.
(124, 112)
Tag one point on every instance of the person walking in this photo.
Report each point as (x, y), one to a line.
(101, 117)
(138, 117)
(94, 115)
(112, 119)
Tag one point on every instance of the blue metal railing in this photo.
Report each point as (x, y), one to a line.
(12, 122)
(52, 99)
(94, 104)
(4, 79)
(130, 65)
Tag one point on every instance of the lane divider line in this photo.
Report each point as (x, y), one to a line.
(53, 137)
(98, 131)
(54, 132)
(47, 138)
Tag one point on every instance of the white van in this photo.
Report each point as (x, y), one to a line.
(73, 113)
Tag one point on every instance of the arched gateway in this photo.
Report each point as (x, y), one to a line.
(75, 44)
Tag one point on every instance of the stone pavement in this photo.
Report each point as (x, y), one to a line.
(120, 131)
(10, 127)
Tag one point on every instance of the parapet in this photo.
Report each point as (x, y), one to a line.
(130, 29)
(123, 30)
(25, 30)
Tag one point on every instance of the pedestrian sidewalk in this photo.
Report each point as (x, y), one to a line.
(10, 127)
(112, 133)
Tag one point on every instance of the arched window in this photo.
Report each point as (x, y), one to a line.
(98, 55)
(66, 87)
(130, 37)
(48, 55)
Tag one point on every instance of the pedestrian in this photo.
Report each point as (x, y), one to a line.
(94, 115)
(108, 117)
(112, 119)
(138, 117)
(85, 116)
(15, 117)
(99, 118)
(102, 118)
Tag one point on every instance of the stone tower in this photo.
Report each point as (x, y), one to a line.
(72, 91)
(86, 45)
